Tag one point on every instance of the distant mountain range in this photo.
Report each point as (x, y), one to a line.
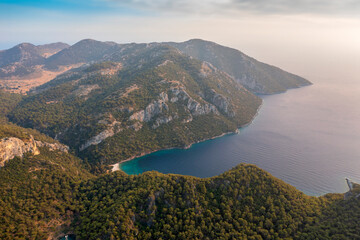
(25, 59)
(21, 60)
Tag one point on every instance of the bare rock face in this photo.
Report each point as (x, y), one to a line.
(158, 110)
(179, 94)
(198, 109)
(111, 130)
(11, 147)
(153, 109)
(98, 138)
(222, 103)
(14, 147)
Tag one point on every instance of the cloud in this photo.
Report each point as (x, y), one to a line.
(299, 6)
(327, 7)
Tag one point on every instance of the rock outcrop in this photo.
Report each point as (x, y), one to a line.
(153, 109)
(354, 190)
(179, 94)
(11, 147)
(14, 147)
(160, 107)
(222, 103)
(198, 109)
(111, 130)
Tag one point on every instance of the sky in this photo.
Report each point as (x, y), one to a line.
(309, 37)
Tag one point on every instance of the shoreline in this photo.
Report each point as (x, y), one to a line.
(116, 166)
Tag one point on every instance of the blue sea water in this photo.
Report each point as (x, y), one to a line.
(308, 137)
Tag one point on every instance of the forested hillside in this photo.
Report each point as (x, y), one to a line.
(52, 194)
(158, 98)
(258, 77)
(37, 194)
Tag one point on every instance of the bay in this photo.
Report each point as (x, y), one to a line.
(308, 137)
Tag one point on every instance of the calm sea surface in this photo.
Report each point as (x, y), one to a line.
(308, 137)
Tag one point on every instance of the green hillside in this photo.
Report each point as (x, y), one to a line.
(158, 98)
(37, 194)
(258, 77)
(8, 102)
(52, 194)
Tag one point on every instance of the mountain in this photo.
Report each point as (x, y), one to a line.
(127, 100)
(22, 59)
(154, 98)
(85, 51)
(21, 67)
(43, 63)
(19, 60)
(256, 76)
(50, 49)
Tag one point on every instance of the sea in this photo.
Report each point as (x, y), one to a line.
(309, 137)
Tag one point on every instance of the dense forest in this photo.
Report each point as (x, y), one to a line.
(37, 195)
(52, 194)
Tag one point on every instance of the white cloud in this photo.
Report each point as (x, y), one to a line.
(327, 7)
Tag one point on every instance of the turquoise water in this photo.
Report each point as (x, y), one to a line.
(308, 137)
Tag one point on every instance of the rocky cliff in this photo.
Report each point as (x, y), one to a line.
(11, 147)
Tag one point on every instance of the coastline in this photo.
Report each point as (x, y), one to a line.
(116, 166)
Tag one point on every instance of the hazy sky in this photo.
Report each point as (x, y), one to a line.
(305, 36)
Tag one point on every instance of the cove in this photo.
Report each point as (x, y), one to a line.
(308, 137)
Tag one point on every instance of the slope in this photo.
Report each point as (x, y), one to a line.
(258, 77)
(243, 203)
(155, 98)
(36, 187)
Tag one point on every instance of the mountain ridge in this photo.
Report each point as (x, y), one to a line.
(259, 78)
